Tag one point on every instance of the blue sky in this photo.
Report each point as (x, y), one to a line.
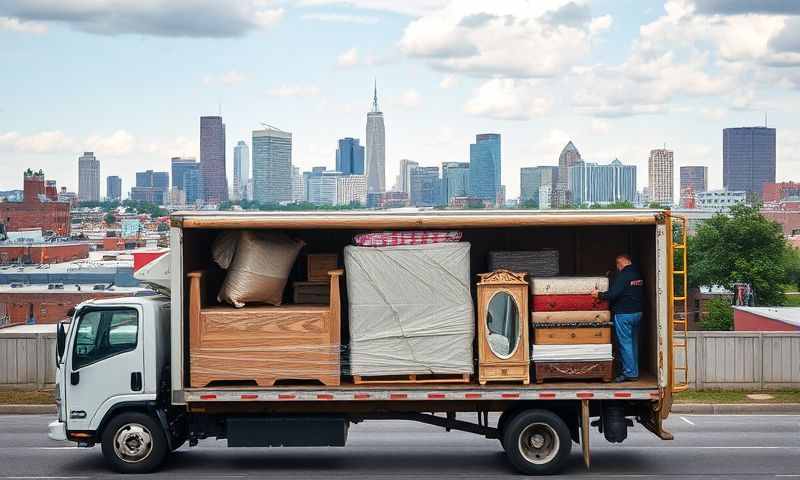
(130, 80)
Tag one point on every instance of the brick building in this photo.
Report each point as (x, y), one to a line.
(789, 220)
(49, 303)
(781, 191)
(43, 253)
(37, 208)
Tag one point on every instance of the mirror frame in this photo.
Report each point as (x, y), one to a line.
(519, 325)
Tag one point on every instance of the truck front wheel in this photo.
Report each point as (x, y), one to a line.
(134, 442)
(537, 442)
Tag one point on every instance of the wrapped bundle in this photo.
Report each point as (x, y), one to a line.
(571, 353)
(567, 285)
(542, 263)
(561, 303)
(596, 316)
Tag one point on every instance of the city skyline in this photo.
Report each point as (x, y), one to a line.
(435, 100)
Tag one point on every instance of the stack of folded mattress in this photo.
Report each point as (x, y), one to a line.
(571, 329)
(536, 263)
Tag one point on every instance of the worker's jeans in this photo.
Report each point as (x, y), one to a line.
(626, 329)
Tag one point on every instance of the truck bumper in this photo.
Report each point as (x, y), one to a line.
(57, 430)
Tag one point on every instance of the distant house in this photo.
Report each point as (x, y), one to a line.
(766, 319)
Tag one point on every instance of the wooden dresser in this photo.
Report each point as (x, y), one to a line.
(263, 344)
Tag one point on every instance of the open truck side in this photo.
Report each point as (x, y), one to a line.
(139, 403)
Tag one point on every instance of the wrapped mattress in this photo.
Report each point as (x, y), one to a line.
(567, 285)
(410, 309)
(561, 303)
(588, 316)
(571, 353)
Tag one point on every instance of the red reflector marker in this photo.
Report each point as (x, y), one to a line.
(547, 395)
(509, 395)
(472, 395)
(398, 396)
(361, 396)
(584, 395)
(208, 397)
(324, 396)
(284, 396)
(436, 395)
(249, 396)
(622, 394)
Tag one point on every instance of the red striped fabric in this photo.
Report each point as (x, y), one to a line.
(566, 303)
(413, 237)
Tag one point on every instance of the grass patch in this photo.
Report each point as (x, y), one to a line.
(792, 300)
(27, 397)
(710, 396)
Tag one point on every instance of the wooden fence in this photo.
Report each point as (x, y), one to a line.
(717, 360)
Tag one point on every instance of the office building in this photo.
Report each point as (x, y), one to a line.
(349, 157)
(425, 187)
(185, 178)
(311, 182)
(590, 183)
(532, 178)
(213, 179)
(88, 178)
(375, 168)
(455, 180)
(113, 188)
(660, 175)
(720, 200)
(241, 170)
(272, 165)
(151, 187)
(748, 159)
(404, 181)
(37, 209)
(298, 186)
(351, 190)
(781, 192)
(484, 167)
(567, 158)
(694, 177)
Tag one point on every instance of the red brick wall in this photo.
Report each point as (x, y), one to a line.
(750, 322)
(48, 216)
(44, 253)
(789, 220)
(46, 307)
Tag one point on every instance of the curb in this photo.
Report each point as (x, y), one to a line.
(736, 408)
(27, 409)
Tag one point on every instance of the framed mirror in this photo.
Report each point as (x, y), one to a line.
(503, 327)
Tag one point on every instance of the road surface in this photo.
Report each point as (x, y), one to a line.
(714, 446)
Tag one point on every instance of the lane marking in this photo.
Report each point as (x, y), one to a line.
(687, 421)
(58, 448)
(742, 415)
(31, 478)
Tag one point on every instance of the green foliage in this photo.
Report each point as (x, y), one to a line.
(719, 315)
(292, 207)
(110, 219)
(792, 262)
(657, 206)
(743, 247)
(531, 203)
(163, 227)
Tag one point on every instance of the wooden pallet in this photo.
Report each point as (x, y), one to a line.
(413, 378)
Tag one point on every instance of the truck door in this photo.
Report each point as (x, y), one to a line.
(105, 363)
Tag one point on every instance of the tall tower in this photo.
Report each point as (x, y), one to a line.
(88, 178)
(241, 169)
(214, 183)
(660, 172)
(748, 159)
(485, 167)
(272, 165)
(375, 169)
(569, 157)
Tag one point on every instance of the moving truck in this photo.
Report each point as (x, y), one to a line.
(124, 365)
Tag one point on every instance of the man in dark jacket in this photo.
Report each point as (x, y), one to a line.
(625, 297)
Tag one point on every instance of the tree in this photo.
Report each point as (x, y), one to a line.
(719, 315)
(110, 219)
(742, 247)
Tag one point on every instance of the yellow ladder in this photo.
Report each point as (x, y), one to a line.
(678, 302)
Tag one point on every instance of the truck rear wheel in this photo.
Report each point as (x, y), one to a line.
(537, 442)
(134, 442)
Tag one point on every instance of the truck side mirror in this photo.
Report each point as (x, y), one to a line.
(61, 342)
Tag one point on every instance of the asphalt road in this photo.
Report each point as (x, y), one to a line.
(707, 447)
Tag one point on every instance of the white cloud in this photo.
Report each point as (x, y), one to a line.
(600, 126)
(410, 99)
(16, 25)
(53, 141)
(294, 91)
(463, 37)
(229, 79)
(167, 18)
(508, 99)
(448, 81)
(348, 58)
(406, 7)
(118, 143)
(342, 18)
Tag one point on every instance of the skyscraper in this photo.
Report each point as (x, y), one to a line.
(151, 187)
(213, 180)
(455, 180)
(694, 177)
(568, 157)
(185, 178)
(298, 186)
(350, 157)
(405, 174)
(272, 165)
(88, 178)
(660, 174)
(591, 183)
(351, 189)
(425, 187)
(241, 170)
(375, 168)
(531, 179)
(484, 167)
(113, 188)
(748, 159)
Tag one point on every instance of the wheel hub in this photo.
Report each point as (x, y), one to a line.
(539, 443)
(133, 443)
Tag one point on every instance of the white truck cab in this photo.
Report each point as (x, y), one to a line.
(114, 355)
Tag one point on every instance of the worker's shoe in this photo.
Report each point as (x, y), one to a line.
(623, 378)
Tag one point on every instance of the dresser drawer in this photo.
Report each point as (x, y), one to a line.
(571, 336)
(504, 371)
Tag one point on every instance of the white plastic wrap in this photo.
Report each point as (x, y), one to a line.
(567, 285)
(571, 353)
(410, 309)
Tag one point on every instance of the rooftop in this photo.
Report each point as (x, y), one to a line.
(788, 315)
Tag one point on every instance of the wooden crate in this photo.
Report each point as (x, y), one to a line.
(584, 370)
(413, 378)
(319, 264)
(571, 336)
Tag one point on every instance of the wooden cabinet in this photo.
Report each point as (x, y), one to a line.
(503, 346)
(571, 336)
(263, 344)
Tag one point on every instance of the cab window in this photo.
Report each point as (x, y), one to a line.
(104, 333)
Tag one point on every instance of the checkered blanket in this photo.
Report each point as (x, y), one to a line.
(414, 237)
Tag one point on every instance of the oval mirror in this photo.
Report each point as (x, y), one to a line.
(502, 324)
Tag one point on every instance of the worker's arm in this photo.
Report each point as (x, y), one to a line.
(617, 287)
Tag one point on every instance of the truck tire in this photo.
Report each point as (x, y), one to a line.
(537, 442)
(134, 442)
